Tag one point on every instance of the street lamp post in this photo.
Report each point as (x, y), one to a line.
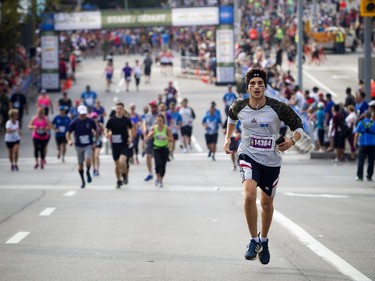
(299, 44)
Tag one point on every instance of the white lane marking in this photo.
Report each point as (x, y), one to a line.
(196, 144)
(319, 249)
(340, 77)
(17, 238)
(315, 195)
(320, 84)
(70, 193)
(47, 212)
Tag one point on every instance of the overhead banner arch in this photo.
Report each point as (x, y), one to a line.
(222, 17)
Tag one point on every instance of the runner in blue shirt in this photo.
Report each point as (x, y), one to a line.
(228, 99)
(127, 71)
(212, 123)
(88, 97)
(60, 124)
(176, 125)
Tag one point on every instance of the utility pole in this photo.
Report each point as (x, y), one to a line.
(299, 44)
(367, 60)
(79, 5)
(367, 10)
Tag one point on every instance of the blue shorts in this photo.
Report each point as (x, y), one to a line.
(267, 178)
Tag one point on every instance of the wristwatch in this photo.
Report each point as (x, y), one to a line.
(294, 142)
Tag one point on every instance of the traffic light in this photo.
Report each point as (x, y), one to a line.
(367, 8)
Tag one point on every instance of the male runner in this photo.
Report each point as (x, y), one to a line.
(60, 124)
(84, 130)
(119, 131)
(258, 154)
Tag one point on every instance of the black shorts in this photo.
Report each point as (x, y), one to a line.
(186, 131)
(233, 144)
(11, 144)
(266, 177)
(149, 149)
(339, 141)
(175, 136)
(63, 76)
(61, 140)
(211, 138)
(118, 150)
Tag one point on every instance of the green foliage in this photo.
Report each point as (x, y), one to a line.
(9, 26)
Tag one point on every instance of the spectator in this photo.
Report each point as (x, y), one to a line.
(365, 137)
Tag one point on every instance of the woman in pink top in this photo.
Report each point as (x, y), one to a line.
(41, 129)
(44, 102)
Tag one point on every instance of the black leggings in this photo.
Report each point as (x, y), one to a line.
(39, 148)
(161, 158)
(135, 144)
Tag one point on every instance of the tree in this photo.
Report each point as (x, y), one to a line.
(9, 28)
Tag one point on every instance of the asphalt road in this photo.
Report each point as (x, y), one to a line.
(194, 228)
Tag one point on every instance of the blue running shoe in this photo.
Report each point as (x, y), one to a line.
(149, 177)
(264, 254)
(253, 249)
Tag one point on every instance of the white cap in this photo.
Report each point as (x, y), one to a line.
(82, 109)
(372, 103)
(43, 91)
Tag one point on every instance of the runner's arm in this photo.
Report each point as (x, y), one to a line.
(231, 126)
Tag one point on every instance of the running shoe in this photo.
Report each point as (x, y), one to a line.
(209, 154)
(118, 184)
(83, 185)
(36, 166)
(264, 254)
(358, 179)
(42, 164)
(161, 185)
(157, 183)
(253, 249)
(149, 177)
(125, 180)
(89, 179)
(16, 168)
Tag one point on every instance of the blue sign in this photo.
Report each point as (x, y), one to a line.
(48, 23)
(226, 14)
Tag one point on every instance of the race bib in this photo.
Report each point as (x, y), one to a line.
(85, 139)
(116, 138)
(41, 132)
(61, 129)
(262, 142)
(16, 104)
(14, 137)
(90, 101)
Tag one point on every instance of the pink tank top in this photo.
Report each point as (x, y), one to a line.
(43, 102)
(40, 132)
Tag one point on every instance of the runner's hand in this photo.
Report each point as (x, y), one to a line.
(288, 143)
(226, 147)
